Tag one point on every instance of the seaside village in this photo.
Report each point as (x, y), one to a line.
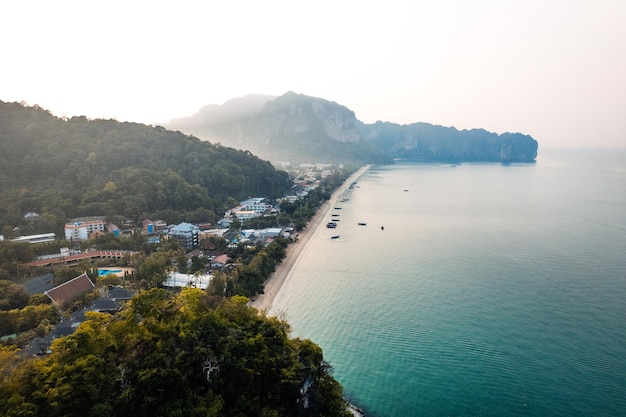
(194, 238)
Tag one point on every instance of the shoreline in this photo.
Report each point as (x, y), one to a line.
(271, 288)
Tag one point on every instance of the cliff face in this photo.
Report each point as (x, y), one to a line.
(299, 128)
(427, 142)
(291, 127)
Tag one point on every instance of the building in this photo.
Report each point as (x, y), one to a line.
(112, 228)
(244, 215)
(257, 205)
(178, 280)
(271, 232)
(249, 208)
(41, 238)
(82, 227)
(219, 261)
(160, 225)
(148, 227)
(70, 289)
(186, 233)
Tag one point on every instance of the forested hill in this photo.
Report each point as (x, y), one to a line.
(80, 167)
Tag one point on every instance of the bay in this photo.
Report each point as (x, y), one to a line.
(493, 290)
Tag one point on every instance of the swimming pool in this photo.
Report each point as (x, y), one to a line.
(102, 272)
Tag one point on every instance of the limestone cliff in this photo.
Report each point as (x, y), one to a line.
(427, 142)
(299, 128)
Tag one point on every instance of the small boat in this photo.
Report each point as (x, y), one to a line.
(335, 237)
(362, 224)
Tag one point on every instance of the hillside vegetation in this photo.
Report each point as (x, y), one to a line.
(173, 355)
(79, 167)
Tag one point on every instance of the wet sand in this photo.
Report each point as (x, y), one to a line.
(294, 250)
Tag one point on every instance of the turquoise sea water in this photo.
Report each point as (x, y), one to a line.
(493, 290)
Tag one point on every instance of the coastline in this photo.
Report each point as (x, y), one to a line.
(264, 302)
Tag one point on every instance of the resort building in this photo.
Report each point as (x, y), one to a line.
(244, 215)
(257, 205)
(244, 210)
(186, 233)
(81, 228)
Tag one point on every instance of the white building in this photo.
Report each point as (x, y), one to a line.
(81, 228)
(256, 204)
(40, 238)
(178, 280)
(244, 215)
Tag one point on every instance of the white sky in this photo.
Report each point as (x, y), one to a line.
(554, 69)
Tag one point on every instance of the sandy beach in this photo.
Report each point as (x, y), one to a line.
(294, 250)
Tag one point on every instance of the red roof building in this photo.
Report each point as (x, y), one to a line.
(70, 289)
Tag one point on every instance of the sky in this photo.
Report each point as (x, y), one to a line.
(552, 69)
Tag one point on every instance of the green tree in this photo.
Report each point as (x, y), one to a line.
(153, 269)
(173, 355)
(12, 296)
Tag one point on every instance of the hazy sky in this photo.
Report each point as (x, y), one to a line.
(554, 69)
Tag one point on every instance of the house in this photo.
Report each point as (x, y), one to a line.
(248, 233)
(112, 301)
(119, 294)
(160, 225)
(70, 289)
(219, 261)
(112, 228)
(244, 215)
(271, 232)
(105, 305)
(186, 233)
(225, 222)
(82, 227)
(148, 227)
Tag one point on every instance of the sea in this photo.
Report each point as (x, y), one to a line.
(472, 289)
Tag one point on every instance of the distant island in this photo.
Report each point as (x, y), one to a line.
(299, 128)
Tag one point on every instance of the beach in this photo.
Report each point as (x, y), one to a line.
(273, 285)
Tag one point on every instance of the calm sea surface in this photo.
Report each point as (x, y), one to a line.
(493, 290)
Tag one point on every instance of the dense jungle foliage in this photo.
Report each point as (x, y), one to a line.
(62, 169)
(173, 355)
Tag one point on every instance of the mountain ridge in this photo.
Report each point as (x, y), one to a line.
(302, 128)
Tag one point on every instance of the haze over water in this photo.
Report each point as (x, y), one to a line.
(493, 290)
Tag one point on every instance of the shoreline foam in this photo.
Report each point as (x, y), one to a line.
(265, 302)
